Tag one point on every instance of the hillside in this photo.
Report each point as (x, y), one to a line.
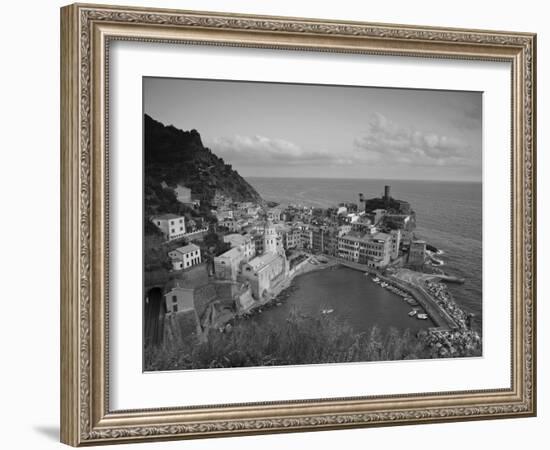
(175, 156)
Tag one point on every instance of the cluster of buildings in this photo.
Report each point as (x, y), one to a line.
(235, 217)
(370, 232)
(373, 232)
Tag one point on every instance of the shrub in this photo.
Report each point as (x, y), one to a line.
(299, 340)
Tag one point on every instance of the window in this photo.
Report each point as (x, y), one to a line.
(181, 228)
(175, 308)
(174, 299)
(173, 231)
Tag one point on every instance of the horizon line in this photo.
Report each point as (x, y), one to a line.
(365, 179)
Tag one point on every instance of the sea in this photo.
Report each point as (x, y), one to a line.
(448, 216)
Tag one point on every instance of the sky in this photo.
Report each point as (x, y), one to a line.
(321, 131)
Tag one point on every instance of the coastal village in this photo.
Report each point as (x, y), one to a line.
(235, 262)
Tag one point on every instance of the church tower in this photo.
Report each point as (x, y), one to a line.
(272, 240)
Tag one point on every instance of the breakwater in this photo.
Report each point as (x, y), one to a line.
(438, 315)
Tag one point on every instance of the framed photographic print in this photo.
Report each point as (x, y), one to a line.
(274, 224)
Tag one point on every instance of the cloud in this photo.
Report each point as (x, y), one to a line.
(385, 141)
(383, 144)
(252, 150)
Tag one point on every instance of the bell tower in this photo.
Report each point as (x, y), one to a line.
(272, 240)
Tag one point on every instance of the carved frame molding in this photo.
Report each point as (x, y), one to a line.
(86, 31)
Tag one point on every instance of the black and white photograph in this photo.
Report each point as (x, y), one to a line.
(289, 224)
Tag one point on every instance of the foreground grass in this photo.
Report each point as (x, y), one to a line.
(300, 340)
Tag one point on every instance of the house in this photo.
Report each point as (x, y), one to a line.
(342, 210)
(183, 194)
(185, 257)
(344, 229)
(318, 239)
(243, 241)
(377, 252)
(221, 200)
(306, 238)
(274, 214)
(374, 250)
(395, 243)
(171, 225)
(223, 213)
(179, 300)
(325, 240)
(292, 237)
(192, 302)
(253, 211)
(348, 246)
(233, 225)
(363, 225)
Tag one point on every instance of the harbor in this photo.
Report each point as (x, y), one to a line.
(425, 304)
(346, 294)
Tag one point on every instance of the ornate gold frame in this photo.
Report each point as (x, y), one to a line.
(86, 31)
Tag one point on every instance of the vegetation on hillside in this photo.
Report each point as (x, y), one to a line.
(177, 157)
(299, 340)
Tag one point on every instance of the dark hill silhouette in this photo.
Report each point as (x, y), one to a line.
(179, 157)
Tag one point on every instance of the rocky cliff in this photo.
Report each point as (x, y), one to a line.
(176, 157)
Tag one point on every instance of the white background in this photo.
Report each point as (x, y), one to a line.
(131, 389)
(30, 225)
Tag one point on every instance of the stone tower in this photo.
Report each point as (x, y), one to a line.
(272, 240)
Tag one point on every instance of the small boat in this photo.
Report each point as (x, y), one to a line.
(413, 313)
(376, 280)
(327, 311)
(422, 316)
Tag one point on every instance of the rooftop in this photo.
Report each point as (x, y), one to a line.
(356, 236)
(381, 236)
(167, 216)
(187, 248)
(260, 262)
(236, 239)
(234, 252)
(282, 227)
(419, 242)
